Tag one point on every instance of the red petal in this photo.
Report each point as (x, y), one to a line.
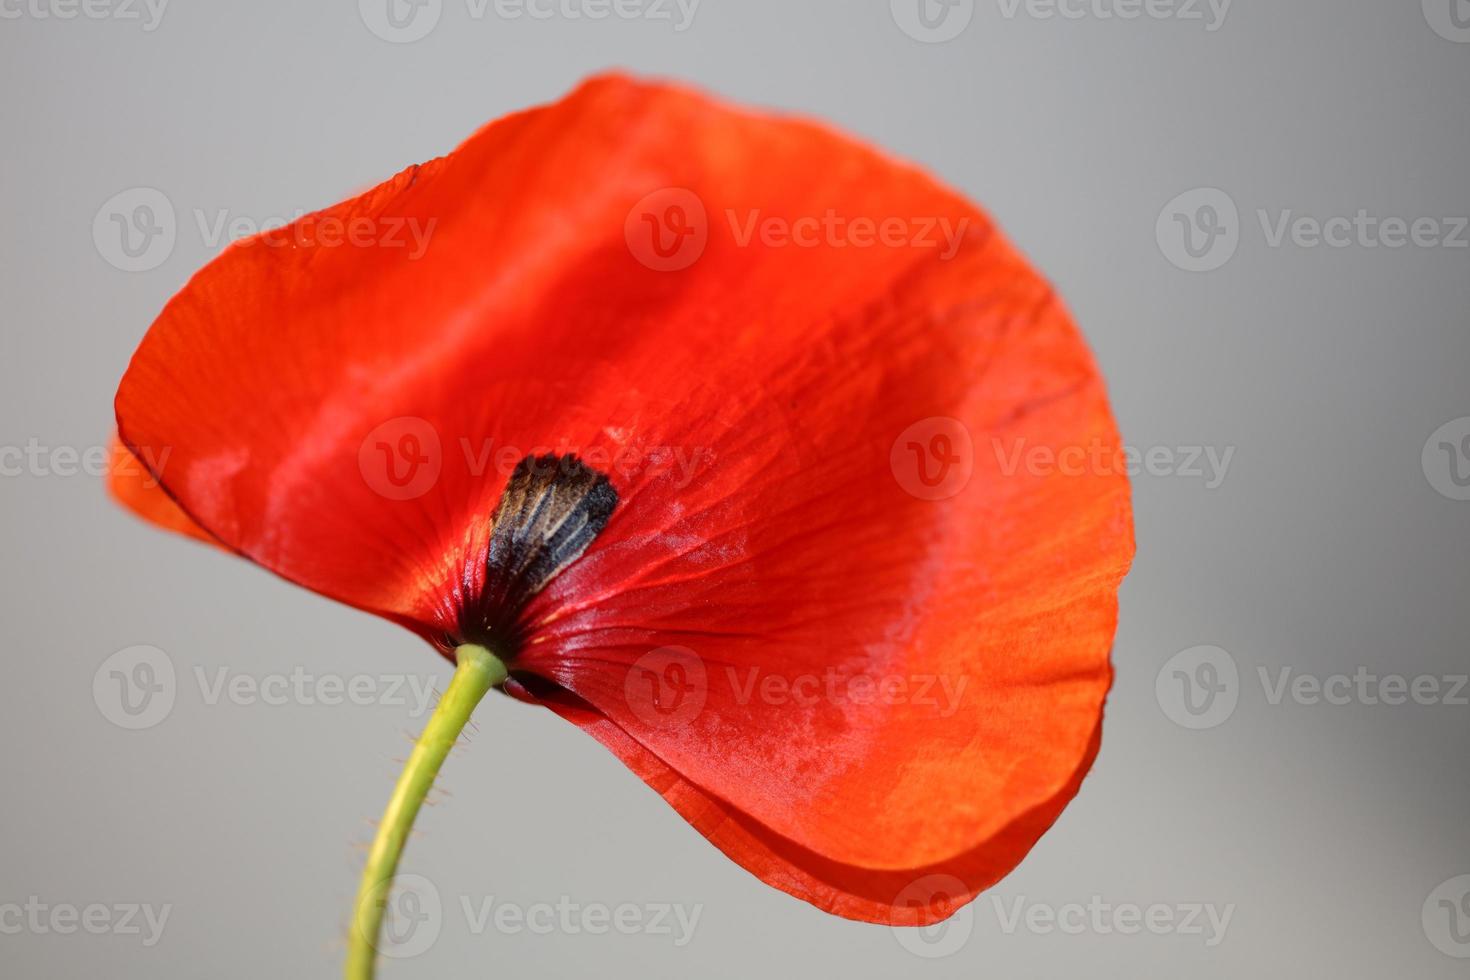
(137, 488)
(906, 897)
(802, 543)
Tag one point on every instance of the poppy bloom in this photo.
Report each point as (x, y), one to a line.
(729, 439)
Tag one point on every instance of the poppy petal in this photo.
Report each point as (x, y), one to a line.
(909, 897)
(135, 486)
(817, 382)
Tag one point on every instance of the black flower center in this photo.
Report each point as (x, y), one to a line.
(552, 509)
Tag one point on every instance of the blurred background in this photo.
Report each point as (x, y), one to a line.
(1256, 211)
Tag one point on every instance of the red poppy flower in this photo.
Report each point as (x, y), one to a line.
(744, 446)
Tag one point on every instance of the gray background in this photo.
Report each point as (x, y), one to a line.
(1326, 547)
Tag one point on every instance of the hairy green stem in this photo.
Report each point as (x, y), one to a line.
(479, 670)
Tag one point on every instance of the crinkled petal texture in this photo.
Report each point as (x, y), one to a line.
(852, 614)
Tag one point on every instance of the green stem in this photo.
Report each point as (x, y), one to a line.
(479, 670)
